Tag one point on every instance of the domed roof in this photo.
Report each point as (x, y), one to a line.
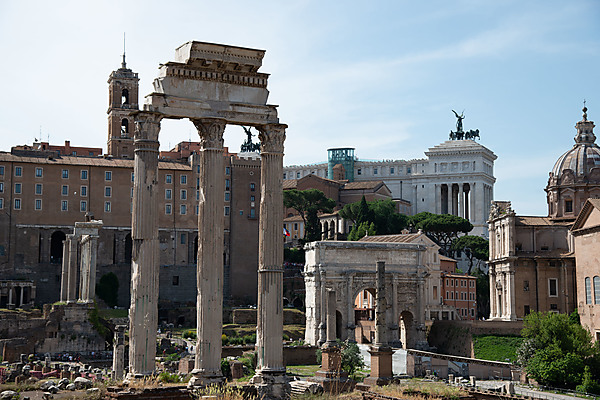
(584, 155)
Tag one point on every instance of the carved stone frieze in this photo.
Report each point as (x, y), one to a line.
(272, 137)
(210, 131)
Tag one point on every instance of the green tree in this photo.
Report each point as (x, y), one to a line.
(381, 213)
(309, 203)
(557, 350)
(359, 231)
(474, 247)
(442, 228)
(108, 289)
(482, 292)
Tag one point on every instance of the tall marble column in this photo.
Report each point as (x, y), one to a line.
(209, 276)
(270, 378)
(492, 280)
(89, 249)
(461, 200)
(72, 245)
(143, 311)
(510, 288)
(84, 269)
(64, 277)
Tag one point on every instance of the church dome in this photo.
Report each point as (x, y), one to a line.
(584, 155)
(576, 174)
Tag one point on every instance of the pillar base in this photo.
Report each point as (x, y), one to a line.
(381, 366)
(331, 376)
(271, 385)
(202, 379)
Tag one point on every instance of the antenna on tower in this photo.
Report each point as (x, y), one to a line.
(123, 64)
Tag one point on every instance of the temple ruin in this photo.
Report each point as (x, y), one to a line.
(212, 85)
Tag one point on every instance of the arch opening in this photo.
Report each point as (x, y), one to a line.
(56, 247)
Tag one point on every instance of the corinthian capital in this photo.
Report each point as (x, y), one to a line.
(271, 138)
(210, 131)
(147, 125)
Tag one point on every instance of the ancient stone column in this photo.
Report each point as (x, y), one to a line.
(72, 245)
(143, 311)
(210, 253)
(118, 366)
(84, 269)
(270, 378)
(381, 353)
(331, 320)
(64, 279)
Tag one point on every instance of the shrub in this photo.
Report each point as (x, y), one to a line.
(225, 368)
(191, 334)
(167, 377)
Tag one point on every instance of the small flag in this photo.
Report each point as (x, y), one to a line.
(286, 232)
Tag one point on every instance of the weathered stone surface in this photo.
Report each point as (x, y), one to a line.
(82, 383)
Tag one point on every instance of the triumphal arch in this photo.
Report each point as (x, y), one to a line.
(212, 85)
(348, 269)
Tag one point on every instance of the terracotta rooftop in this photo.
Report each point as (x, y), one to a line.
(528, 220)
(290, 184)
(362, 185)
(84, 161)
(400, 238)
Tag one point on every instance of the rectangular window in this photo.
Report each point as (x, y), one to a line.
(227, 196)
(18, 171)
(131, 193)
(83, 206)
(183, 179)
(168, 209)
(108, 175)
(183, 194)
(38, 188)
(1, 169)
(1, 187)
(183, 209)
(252, 187)
(284, 175)
(554, 307)
(65, 190)
(39, 172)
(297, 175)
(132, 176)
(226, 210)
(553, 287)
(38, 204)
(568, 206)
(17, 188)
(175, 280)
(228, 171)
(84, 174)
(391, 170)
(252, 213)
(65, 173)
(359, 171)
(197, 209)
(107, 191)
(227, 184)
(17, 204)
(107, 206)
(1, 203)
(182, 238)
(526, 286)
(197, 195)
(83, 191)
(168, 178)
(64, 205)
(168, 194)
(526, 310)
(447, 294)
(374, 171)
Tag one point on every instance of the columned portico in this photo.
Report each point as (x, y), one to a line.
(143, 311)
(210, 253)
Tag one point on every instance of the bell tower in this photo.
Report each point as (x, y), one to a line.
(123, 88)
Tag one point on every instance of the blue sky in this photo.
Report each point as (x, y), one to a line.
(381, 77)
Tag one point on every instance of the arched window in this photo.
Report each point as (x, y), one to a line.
(588, 291)
(596, 290)
(124, 126)
(56, 247)
(125, 97)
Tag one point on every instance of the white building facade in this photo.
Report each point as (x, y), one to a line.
(456, 177)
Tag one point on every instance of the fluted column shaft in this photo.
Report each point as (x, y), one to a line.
(143, 311)
(270, 252)
(72, 244)
(210, 251)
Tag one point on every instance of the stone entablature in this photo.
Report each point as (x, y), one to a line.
(348, 268)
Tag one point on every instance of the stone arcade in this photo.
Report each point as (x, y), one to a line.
(212, 85)
(348, 268)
